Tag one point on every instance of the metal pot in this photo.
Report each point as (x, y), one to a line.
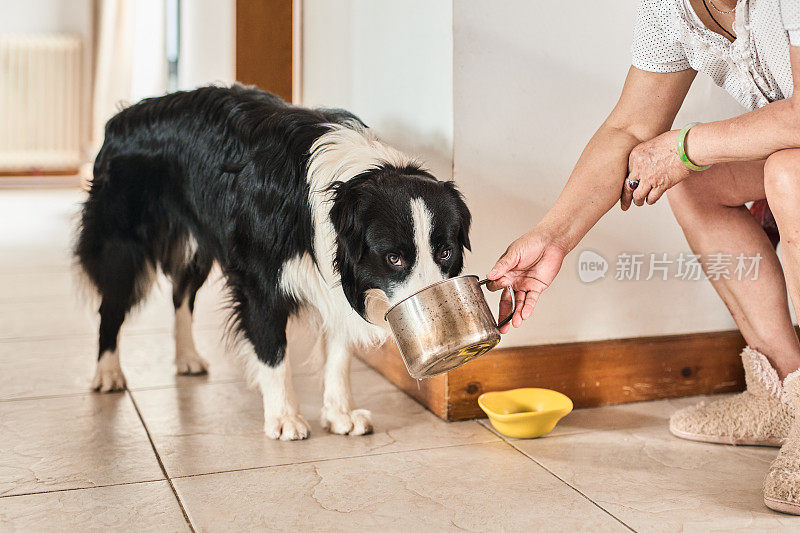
(445, 325)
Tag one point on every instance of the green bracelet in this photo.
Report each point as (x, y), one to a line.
(682, 149)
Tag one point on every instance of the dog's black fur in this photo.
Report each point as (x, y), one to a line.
(220, 174)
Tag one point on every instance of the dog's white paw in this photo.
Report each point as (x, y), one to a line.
(109, 376)
(190, 363)
(286, 427)
(356, 422)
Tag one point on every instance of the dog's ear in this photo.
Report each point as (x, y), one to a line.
(347, 217)
(464, 216)
(348, 221)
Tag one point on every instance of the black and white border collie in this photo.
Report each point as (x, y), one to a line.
(301, 208)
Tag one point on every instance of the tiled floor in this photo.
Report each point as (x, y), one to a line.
(180, 453)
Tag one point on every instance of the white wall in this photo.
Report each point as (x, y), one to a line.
(533, 80)
(530, 83)
(46, 16)
(207, 43)
(388, 62)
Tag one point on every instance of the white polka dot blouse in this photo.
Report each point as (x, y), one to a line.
(668, 37)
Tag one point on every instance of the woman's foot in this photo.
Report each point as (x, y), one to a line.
(760, 416)
(782, 484)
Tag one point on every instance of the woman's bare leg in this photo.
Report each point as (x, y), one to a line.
(782, 185)
(709, 206)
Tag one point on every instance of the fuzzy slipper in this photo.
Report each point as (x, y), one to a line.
(782, 484)
(760, 416)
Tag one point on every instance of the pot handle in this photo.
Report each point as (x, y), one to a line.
(507, 319)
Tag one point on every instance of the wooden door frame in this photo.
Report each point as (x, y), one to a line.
(268, 45)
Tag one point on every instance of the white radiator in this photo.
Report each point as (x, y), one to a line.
(40, 102)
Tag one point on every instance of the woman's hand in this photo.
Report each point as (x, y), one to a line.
(657, 167)
(528, 266)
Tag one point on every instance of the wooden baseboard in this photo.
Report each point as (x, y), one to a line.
(591, 373)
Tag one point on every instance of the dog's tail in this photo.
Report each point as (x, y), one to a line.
(112, 251)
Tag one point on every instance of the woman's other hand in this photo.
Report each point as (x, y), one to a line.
(528, 266)
(656, 165)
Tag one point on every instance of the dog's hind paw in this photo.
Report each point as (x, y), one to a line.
(286, 427)
(191, 364)
(356, 422)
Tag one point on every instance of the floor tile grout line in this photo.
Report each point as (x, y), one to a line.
(144, 388)
(92, 335)
(221, 381)
(570, 485)
(46, 396)
(71, 489)
(490, 430)
(160, 462)
(326, 459)
(511, 444)
(225, 381)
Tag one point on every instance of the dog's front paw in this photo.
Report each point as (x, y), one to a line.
(190, 363)
(108, 381)
(356, 422)
(286, 427)
(109, 376)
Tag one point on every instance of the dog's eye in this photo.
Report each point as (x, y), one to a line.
(395, 260)
(444, 254)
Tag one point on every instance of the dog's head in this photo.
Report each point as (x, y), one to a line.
(397, 230)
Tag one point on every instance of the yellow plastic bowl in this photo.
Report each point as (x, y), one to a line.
(525, 413)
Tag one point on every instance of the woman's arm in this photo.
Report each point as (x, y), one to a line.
(647, 106)
(754, 135)
(751, 136)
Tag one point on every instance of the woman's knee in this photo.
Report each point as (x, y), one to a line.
(782, 179)
(691, 196)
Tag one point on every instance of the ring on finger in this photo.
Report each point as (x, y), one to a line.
(632, 184)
